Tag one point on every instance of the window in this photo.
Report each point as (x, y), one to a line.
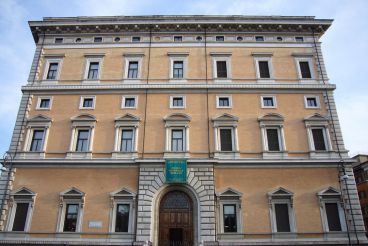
(177, 101)
(177, 135)
(318, 135)
(268, 101)
(82, 140)
(81, 143)
(279, 39)
(230, 211)
(126, 135)
(20, 210)
(221, 69)
(129, 102)
(178, 38)
(273, 140)
(264, 71)
(36, 137)
(87, 102)
(37, 140)
(178, 68)
(78, 40)
(281, 210)
(304, 64)
(122, 211)
(97, 39)
(226, 140)
(58, 40)
(93, 67)
(52, 67)
(221, 66)
(117, 39)
(223, 102)
(133, 64)
(318, 139)
(259, 38)
(305, 70)
(331, 211)
(136, 39)
(199, 38)
(299, 39)
(220, 38)
(71, 210)
(239, 39)
(44, 103)
(263, 64)
(311, 101)
(93, 70)
(133, 70)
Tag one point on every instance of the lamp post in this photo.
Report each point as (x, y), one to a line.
(7, 165)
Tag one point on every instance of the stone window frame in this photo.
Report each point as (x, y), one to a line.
(305, 57)
(331, 195)
(273, 99)
(263, 56)
(82, 122)
(272, 121)
(312, 96)
(70, 196)
(93, 58)
(81, 102)
(230, 197)
(38, 122)
(281, 196)
(172, 102)
(317, 121)
(221, 96)
(178, 56)
(132, 57)
(172, 122)
(226, 121)
(124, 97)
(21, 195)
(129, 122)
(122, 196)
(57, 58)
(221, 56)
(40, 98)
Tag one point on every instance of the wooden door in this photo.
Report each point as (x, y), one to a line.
(176, 220)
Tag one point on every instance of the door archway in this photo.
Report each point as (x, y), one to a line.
(176, 219)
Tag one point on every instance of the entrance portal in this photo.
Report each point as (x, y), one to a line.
(176, 220)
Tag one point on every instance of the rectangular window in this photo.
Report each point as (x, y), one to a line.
(230, 223)
(268, 102)
(273, 139)
(177, 102)
(133, 70)
(318, 139)
(282, 217)
(71, 217)
(333, 218)
(126, 141)
(264, 71)
(312, 102)
(20, 217)
(97, 39)
(82, 141)
(178, 69)
(58, 40)
(136, 39)
(305, 70)
(177, 143)
(299, 39)
(44, 103)
(122, 218)
(129, 102)
(93, 70)
(88, 103)
(220, 38)
(53, 68)
(221, 69)
(37, 140)
(259, 38)
(226, 140)
(224, 102)
(178, 38)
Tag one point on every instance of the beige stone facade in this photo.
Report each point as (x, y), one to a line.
(244, 102)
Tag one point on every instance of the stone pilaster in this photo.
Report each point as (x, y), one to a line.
(5, 188)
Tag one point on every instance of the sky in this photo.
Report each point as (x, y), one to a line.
(344, 45)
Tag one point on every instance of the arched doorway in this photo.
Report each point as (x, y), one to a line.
(176, 219)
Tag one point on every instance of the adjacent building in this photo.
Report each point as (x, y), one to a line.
(361, 177)
(179, 130)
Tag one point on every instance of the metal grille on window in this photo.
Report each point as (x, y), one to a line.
(264, 71)
(133, 70)
(318, 139)
(122, 218)
(82, 140)
(230, 224)
(226, 140)
(93, 70)
(51, 74)
(37, 139)
(221, 69)
(282, 217)
(273, 140)
(126, 140)
(178, 67)
(177, 140)
(71, 217)
(305, 70)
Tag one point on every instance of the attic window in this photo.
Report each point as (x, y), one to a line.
(299, 39)
(239, 38)
(97, 40)
(199, 38)
(178, 38)
(58, 40)
(136, 39)
(279, 39)
(259, 38)
(78, 40)
(220, 38)
(117, 39)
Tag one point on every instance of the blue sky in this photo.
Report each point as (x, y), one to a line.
(345, 46)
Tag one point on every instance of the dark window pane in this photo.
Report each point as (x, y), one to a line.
(93, 70)
(178, 102)
(178, 68)
(273, 140)
(126, 140)
(130, 102)
(282, 217)
(45, 103)
(122, 218)
(53, 67)
(224, 102)
(177, 140)
(259, 38)
(305, 70)
(133, 70)
(318, 139)
(20, 217)
(332, 212)
(178, 38)
(58, 40)
(264, 71)
(97, 39)
(226, 139)
(82, 141)
(37, 139)
(299, 39)
(221, 69)
(136, 39)
(220, 38)
(268, 102)
(230, 224)
(71, 217)
(87, 102)
(312, 102)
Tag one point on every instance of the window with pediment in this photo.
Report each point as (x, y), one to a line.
(126, 136)
(177, 135)
(122, 212)
(230, 211)
(226, 136)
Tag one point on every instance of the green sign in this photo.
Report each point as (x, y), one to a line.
(176, 171)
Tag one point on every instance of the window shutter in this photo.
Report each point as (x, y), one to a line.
(226, 140)
(264, 71)
(305, 70)
(273, 140)
(282, 217)
(221, 69)
(333, 218)
(318, 139)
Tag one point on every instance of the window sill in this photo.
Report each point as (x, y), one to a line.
(91, 81)
(226, 154)
(265, 80)
(32, 155)
(132, 81)
(124, 155)
(79, 155)
(49, 82)
(321, 154)
(172, 80)
(170, 154)
(274, 154)
(308, 81)
(222, 80)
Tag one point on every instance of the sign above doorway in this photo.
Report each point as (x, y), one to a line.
(176, 171)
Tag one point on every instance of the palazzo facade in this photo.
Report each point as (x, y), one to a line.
(178, 130)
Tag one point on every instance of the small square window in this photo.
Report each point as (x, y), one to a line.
(311, 102)
(58, 40)
(44, 103)
(220, 38)
(259, 38)
(224, 102)
(268, 102)
(299, 39)
(136, 39)
(177, 102)
(97, 40)
(129, 102)
(178, 38)
(87, 103)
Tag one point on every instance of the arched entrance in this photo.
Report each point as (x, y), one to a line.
(176, 219)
